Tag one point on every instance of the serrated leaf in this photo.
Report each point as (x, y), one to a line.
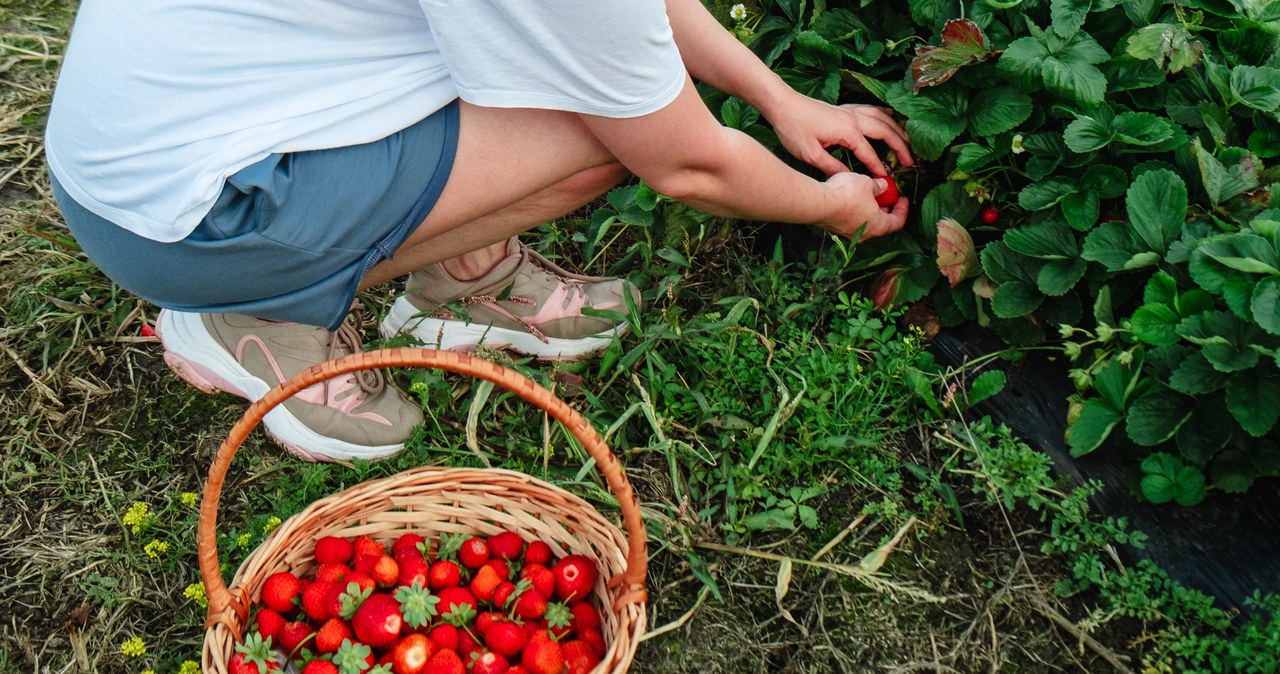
(1266, 305)
(1004, 265)
(1058, 277)
(1157, 203)
(1225, 341)
(1163, 42)
(1087, 134)
(1046, 241)
(1092, 426)
(1141, 128)
(986, 385)
(962, 44)
(1253, 396)
(737, 114)
(1208, 431)
(1155, 324)
(997, 110)
(1081, 209)
(1023, 61)
(1014, 299)
(1235, 173)
(1078, 82)
(1168, 479)
(934, 117)
(1068, 15)
(1109, 244)
(972, 156)
(1156, 417)
(1195, 376)
(1257, 87)
(1107, 180)
(1046, 193)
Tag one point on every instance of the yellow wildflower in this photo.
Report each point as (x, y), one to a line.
(156, 548)
(272, 522)
(133, 647)
(189, 498)
(195, 592)
(189, 667)
(137, 515)
(243, 541)
(148, 671)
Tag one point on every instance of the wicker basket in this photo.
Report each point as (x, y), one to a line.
(431, 501)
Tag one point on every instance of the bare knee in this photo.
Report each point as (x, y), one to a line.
(588, 184)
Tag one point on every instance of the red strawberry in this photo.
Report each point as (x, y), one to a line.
(489, 662)
(315, 600)
(538, 552)
(444, 574)
(353, 657)
(889, 196)
(146, 330)
(500, 566)
(473, 553)
(385, 572)
(507, 545)
(320, 667)
(580, 657)
(332, 572)
(342, 599)
(530, 604)
(575, 578)
(543, 579)
(503, 593)
(378, 620)
(294, 635)
(411, 654)
(407, 543)
(466, 644)
(585, 616)
(542, 655)
(485, 583)
(517, 669)
(269, 622)
(453, 597)
(333, 550)
(365, 563)
(444, 662)
(281, 591)
(559, 620)
(254, 656)
(486, 619)
(414, 570)
(366, 546)
(989, 215)
(594, 639)
(445, 637)
(331, 634)
(506, 637)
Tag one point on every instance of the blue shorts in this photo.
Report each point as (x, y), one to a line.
(291, 236)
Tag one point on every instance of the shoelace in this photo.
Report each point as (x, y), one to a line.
(345, 340)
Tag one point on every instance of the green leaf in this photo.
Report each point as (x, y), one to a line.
(1157, 203)
(1226, 341)
(1046, 193)
(770, 520)
(1155, 324)
(1115, 382)
(1141, 128)
(1047, 241)
(1092, 426)
(1208, 431)
(1107, 180)
(815, 51)
(1161, 289)
(1196, 376)
(972, 156)
(1253, 396)
(1156, 417)
(737, 114)
(934, 117)
(1168, 479)
(1266, 305)
(1023, 61)
(1087, 134)
(997, 110)
(1004, 265)
(1110, 244)
(1068, 15)
(1233, 173)
(948, 200)
(1016, 298)
(1058, 277)
(1257, 87)
(1079, 82)
(1081, 209)
(1163, 42)
(986, 385)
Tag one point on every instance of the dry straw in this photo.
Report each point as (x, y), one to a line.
(431, 501)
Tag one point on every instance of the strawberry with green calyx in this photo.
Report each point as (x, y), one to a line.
(559, 620)
(457, 613)
(485, 583)
(281, 592)
(417, 604)
(537, 552)
(444, 573)
(410, 655)
(254, 656)
(268, 622)
(488, 662)
(333, 550)
(543, 579)
(449, 545)
(454, 598)
(506, 637)
(348, 599)
(408, 542)
(294, 635)
(444, 636)
(378, 621)
(305, 657)
(445, 662)
(527, 602)
(473, 552)
(575, 578)
(331, 634)
(543, 654)
(381, 669)
(319, 667)
(509, 602)
(580, 657)
(506, 545)
(353, 658)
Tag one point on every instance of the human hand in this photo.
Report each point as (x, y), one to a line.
(807, 127)
(861, 216)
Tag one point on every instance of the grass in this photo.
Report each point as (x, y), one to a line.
(813, 505)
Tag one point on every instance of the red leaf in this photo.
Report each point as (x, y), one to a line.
(962, 44)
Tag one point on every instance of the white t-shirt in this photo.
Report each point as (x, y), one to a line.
(160, 100)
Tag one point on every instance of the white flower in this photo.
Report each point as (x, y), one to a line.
(738, 12)
(1017, 144)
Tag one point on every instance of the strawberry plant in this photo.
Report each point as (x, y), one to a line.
(1096, 164)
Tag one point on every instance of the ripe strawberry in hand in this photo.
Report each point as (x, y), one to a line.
(889, 196)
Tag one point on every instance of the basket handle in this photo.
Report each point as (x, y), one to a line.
(629, 584)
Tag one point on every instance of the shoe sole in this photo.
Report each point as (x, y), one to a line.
(197, 358)
(453, 335)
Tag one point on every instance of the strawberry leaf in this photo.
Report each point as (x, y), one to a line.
(962, 44)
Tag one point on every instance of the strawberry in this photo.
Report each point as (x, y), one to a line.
(293, 635)
(889, 196)
(269, 622)
(575, 578)
(453, 598)
(506, 637)
(989, 215)
(503, 593)
(445, 637)
(411, 654)
(559, 620)
(254, 656)
(473, 553)
(488, 662)
(594, 639)
(385, 572)
(530, 604)
(542, 655)
(466, 644)
(580, 657)
(281, 591)
(517, 669)
(500, 566)
(320, 667)
(486, 619)
(315, 601)
(343, 599)
(537, 552)
(367, 547)
(353, 657)
(444, 574)
(543, 579)
(378, 620)
(444, 662)
(414, 569)
(485, 583)
(332, 572)
(365, 563)
(331, 634)
(507, 545)
(146, 330)
(407, 543)
(333, 550)
(585, 616)
(417, 605)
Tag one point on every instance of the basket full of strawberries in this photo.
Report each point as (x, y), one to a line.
(432, 570)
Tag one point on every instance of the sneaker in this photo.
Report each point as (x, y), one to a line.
(356, 416)
(525, 303)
